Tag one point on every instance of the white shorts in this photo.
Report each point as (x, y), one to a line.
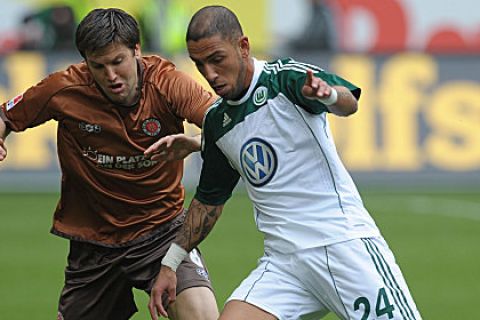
(355, 279)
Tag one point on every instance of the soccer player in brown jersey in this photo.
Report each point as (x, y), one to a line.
(119, 209)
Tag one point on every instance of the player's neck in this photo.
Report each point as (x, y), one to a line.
(249, 71)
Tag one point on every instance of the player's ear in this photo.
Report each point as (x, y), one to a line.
(244, 44)
(137, 51)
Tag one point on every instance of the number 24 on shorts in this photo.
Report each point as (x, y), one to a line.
(383, 305)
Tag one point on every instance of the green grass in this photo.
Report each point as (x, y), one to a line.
(435, 238)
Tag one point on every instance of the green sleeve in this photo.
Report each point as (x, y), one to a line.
(292, 81)
(217, 178)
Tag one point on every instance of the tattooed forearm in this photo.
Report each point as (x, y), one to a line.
(198, 223)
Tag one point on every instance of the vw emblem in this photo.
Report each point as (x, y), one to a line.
(258, 161)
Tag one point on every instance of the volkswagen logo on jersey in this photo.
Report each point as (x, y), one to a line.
(258, 161)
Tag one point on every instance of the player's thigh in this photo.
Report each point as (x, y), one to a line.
(274, 288)
(195, 298)
(98, 300)
(194, 303)
(239, 310)
(368, 281)
(95, 287)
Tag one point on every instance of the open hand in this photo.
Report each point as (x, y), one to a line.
(166, 283)
(173, 147)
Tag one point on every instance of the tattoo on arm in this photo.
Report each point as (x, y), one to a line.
(198, 223)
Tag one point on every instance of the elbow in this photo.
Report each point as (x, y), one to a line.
(347, 110)
(353, 109)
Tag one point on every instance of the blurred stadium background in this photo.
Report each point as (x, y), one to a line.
(413, 148)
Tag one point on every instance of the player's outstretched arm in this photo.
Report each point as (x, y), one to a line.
(199, 221)
(338, 99)
(173, 147)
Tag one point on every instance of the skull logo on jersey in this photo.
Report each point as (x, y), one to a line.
(259, 161)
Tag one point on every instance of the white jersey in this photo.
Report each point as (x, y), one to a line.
(279, 142)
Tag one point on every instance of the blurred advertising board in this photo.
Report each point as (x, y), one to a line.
(384, 26)
(418, 121)
(361, 26)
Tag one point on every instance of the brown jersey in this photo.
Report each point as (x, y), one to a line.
(110, 193)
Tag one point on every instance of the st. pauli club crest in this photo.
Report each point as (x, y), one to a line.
(151, 127)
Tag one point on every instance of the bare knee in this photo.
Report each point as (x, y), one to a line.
(194, 303)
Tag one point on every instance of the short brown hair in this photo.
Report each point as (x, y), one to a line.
(102, 27)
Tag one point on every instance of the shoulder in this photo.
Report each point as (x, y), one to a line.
(215, 111)
(157, 69)
(75, 76)
(162, 75)
(285, 72)
(287, 66)
(214, 116)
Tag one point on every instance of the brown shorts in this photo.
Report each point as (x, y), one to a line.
(99, 280)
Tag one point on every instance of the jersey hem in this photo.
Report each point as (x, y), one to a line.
(164, 227)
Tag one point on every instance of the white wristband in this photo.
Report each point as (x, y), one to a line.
(174, 256)
(331, 99)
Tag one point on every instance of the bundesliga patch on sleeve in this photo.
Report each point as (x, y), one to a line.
(12, 103)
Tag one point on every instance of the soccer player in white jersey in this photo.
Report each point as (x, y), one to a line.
(323, 251)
